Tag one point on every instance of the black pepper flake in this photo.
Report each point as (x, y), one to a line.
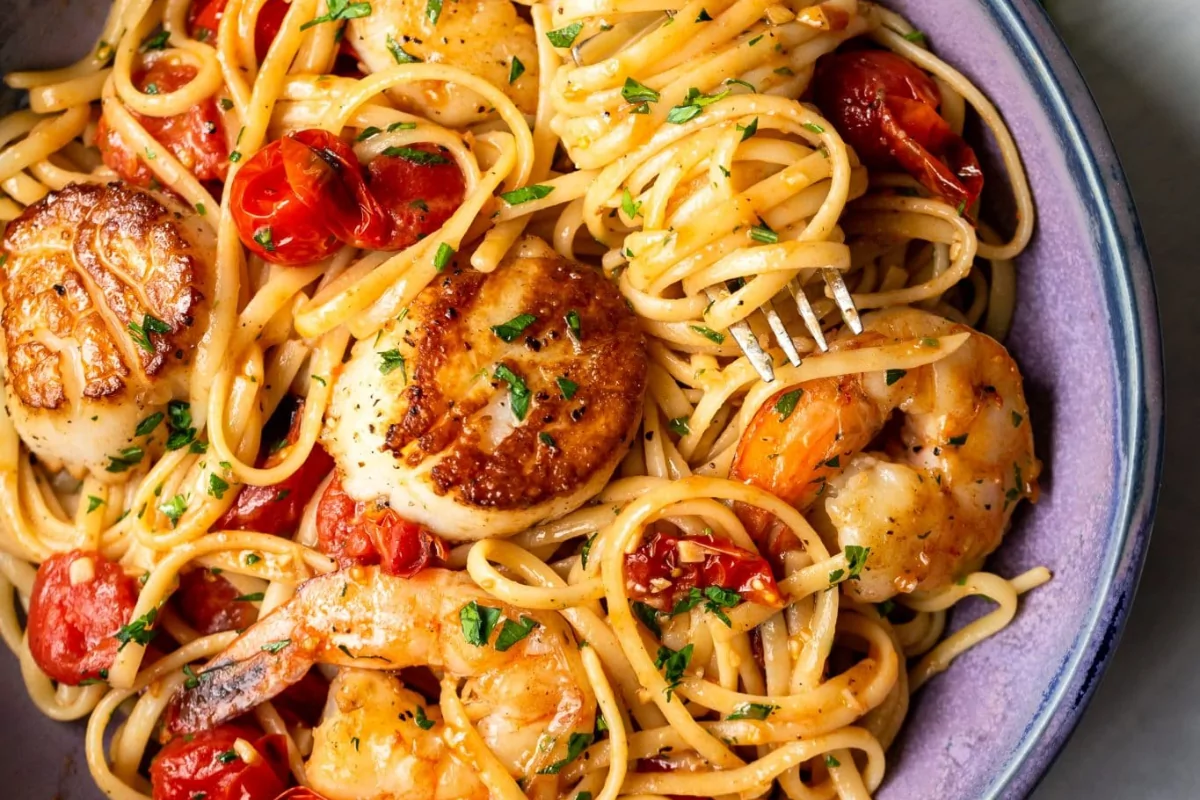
(60, 289)
(577, 414)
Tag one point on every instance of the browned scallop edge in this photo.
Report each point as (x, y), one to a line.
(587, 429)
(96, 236)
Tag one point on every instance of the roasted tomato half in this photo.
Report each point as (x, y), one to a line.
(80, 601)
(887, 110)
(208, 765)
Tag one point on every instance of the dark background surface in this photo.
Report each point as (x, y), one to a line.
(1141, 736)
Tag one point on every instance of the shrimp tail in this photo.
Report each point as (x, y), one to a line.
(263, 662)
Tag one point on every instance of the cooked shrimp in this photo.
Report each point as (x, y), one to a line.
(525, 700)
(381, 740)
(938, 497)
(484, 37)
(496, 402)
(103, 291)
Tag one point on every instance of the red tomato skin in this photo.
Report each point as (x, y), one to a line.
(263, 200)
(886, 109)
(204, 19)
(725, 565)
(277, 508)
(400, 184)
(195, 137)
(353, 533)
(207, 603)
(71, 628)
(191, 765)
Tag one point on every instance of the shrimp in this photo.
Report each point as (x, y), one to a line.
(525, 699)
(936, 491)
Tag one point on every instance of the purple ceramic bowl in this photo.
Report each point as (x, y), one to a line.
(1087, 338)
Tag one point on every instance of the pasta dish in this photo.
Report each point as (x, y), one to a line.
(414, 399)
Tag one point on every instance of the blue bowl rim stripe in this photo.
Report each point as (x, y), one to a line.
(1133, 322)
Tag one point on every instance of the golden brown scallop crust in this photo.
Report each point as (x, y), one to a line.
(563, 441)
(89, 265)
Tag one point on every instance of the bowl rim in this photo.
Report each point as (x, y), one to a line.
(1133, 321)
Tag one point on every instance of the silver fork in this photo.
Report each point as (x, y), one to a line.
(759, 358)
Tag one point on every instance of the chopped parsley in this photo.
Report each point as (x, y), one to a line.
(709, 333)
(515, 70)
(565, 37)
(390, 361)
(147, 426)
(433, 10)
(915, 36)
(367, 133)
(1017, 419)
(893, 375)
(703, 16)
(421, 157)
(93, 503)
(757, 711)
(262, 237)
(339, 10)
(547, 440)
(253, 597)
(193, 680)
(526, 194)
(443, 256)
(401, 126)
(125, 459)
(423, 722)
(749, 130)
(217, 486)
(856, 557)
(830, 761)
(274, 648)
(574, 326)
(141, 333)
(567, 386)
(648, 615)
(692, 105)
(679, 425)
(228, 757)
(673, 663)
(510, 330)
(513, 632)
(157, 41)
(786, 404)
(174, 508)
(740, 82)
(761, 233)
(140, 631)
(637, 92)
(575, 745)
(518, 391)
(813, 127)
(586, 550)
(630, 208)
(477, 622)
(401, 55)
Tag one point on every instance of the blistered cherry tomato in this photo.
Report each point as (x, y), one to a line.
(72, 626)
(657, 574)
(207, 765)
(204, 19)
(209, 603)
(277, 508)
(353, 533)
(418, 197)
(887, 109)
(300, 197)
(196, 137)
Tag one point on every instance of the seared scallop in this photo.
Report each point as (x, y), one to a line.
(484, 37)
(103, 290)
(497, 401)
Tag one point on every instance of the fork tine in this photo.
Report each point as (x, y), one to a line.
(841, 296)
(806, 313)
(748, 342)
(781, 333)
